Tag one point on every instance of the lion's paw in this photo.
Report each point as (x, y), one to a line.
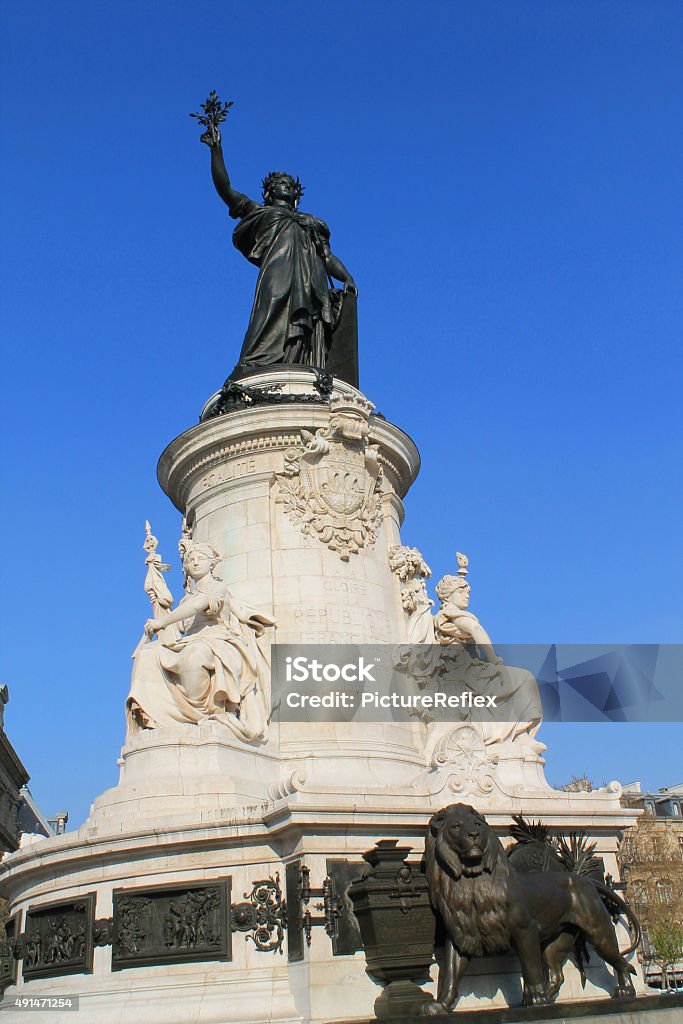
(535, 997)
(433, 1009)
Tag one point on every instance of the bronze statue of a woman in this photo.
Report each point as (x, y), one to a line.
(296, 310)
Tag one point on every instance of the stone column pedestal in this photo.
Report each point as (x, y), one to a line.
(302, 495)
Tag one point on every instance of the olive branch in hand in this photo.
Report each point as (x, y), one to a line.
(214, 113)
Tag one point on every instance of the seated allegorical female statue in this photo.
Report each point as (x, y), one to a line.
(208, 662)
(519, 712)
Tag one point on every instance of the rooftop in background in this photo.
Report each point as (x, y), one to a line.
(666, 802)
(31, 821)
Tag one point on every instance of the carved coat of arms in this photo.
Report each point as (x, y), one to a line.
(331, 484)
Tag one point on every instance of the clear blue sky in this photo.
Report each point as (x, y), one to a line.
(502, 179)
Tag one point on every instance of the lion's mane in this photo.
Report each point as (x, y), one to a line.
(471, 903)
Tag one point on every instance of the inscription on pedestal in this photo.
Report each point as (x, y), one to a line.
(341, 624)
(354, 588)
(242, 467)
(171, 924)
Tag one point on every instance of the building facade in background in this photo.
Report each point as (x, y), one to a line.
(651, 860)
(19, 815)
(13, 777)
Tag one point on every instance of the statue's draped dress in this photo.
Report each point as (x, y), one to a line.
(236, 688)
(291, 319)
(519, 711)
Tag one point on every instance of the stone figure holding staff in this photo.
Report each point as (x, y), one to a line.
(296, 310)
(209, 661)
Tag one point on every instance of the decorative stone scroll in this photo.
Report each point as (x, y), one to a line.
(58, 939)
(330, 486)
(471, 766)
(171, 924)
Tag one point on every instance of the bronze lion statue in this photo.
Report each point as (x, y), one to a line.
(489, 907)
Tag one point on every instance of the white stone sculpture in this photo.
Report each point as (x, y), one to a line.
(474, 660)
(412, 571)
(331, 485)
(208, 661)
(470, 762)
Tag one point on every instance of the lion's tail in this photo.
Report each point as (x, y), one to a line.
(582, 957)
(617, 906)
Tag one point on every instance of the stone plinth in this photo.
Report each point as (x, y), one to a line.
(654, 1009)
(303, 500)
(188, 773)
(257, 986)
(229, 477)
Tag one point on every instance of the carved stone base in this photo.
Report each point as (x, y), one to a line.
(252, 845)
(169, 776)
(304, 501)
(641, 1010)
(401, 999)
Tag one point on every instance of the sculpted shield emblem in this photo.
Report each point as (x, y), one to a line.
(331, 484)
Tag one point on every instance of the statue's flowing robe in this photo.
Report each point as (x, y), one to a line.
(519, 711)
(292, 318)
(236, 689)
